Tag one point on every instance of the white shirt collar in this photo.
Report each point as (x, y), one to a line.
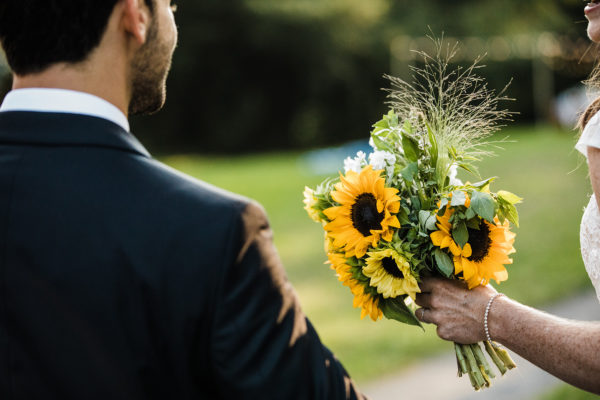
(63, 101)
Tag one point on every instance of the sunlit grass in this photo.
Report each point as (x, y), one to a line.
(538, 166)
(568, 392)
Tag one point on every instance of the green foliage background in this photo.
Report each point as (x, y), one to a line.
(251, 75)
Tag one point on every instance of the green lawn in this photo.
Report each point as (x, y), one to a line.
(567, 392)
(540, 165)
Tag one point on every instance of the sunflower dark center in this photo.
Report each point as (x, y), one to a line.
(364, 214)
(480, 242)
(390, 266)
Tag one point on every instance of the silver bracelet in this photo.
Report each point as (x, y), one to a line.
(485, 316)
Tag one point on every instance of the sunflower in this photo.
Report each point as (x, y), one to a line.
(366, 212)
(339, 265)
(368, 304)
(390, 273)
(483, 256)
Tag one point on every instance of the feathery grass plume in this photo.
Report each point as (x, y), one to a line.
(452, 106)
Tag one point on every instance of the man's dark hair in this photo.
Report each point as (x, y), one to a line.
(38, 33)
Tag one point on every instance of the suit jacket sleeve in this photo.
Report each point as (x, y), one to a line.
(262, 345)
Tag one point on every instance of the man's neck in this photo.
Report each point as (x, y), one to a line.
(101, 82)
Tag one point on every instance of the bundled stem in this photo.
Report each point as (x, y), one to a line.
(471, 360)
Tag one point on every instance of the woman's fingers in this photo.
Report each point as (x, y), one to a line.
(423, 300)
(428, 284)
(421, 315)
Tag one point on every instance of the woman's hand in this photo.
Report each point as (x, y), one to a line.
(457, 311)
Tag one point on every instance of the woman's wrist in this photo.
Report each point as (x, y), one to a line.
(497, 318)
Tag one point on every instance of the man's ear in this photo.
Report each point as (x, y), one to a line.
(136, 19)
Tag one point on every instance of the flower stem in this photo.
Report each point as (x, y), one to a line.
(494, 356)
(462, 364)
(505, 357)
(482, 361)
(474, 370)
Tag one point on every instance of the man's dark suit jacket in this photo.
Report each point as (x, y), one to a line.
(121, 278)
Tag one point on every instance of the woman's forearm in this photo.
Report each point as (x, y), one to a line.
(570, 350)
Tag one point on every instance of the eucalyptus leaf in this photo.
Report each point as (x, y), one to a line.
(430, 225)
(397, 309)
(484, 205)
(443, 262)
(409, 172)
(470, 213)
(423, 217)
(458, 198)
(460, 234)
(443, 202)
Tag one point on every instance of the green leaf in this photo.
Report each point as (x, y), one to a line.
(430, 224)
(397, 309)
(460, 234)
(409, 172)
(416, 203)
(403, 216)
(473, 223)
(433, 148)
(470, 213)
(423, 217)
(444, 263)
(484, 205)
(392, 118)
(509, 197)
(353, 262)
(381, 144)
(469, 168)
(484, 183)
(407, 127)
(410, 147)
(458, 198)
(511, 214)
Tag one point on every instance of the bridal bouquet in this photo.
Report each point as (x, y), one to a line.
(401, 213)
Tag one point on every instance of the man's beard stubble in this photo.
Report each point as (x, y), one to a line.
(150, 69)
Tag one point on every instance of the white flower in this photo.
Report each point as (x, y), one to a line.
(381, 159)
(372, 143)
(355, 164)
(454, 181)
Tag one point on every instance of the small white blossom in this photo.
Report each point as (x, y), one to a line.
(355, 164)
(454, 181)
(390, 171)
(381, 159)
(372, 143)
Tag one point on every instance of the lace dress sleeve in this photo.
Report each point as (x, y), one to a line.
(589, 234)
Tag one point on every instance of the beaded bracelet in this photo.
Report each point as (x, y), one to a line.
(485, 317)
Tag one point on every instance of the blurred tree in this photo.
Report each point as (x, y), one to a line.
(266, 74)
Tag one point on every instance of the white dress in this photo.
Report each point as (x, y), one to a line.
(589, 234)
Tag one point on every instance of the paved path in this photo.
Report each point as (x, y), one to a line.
(435, 378)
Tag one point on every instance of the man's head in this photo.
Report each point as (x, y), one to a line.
(39, 34)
